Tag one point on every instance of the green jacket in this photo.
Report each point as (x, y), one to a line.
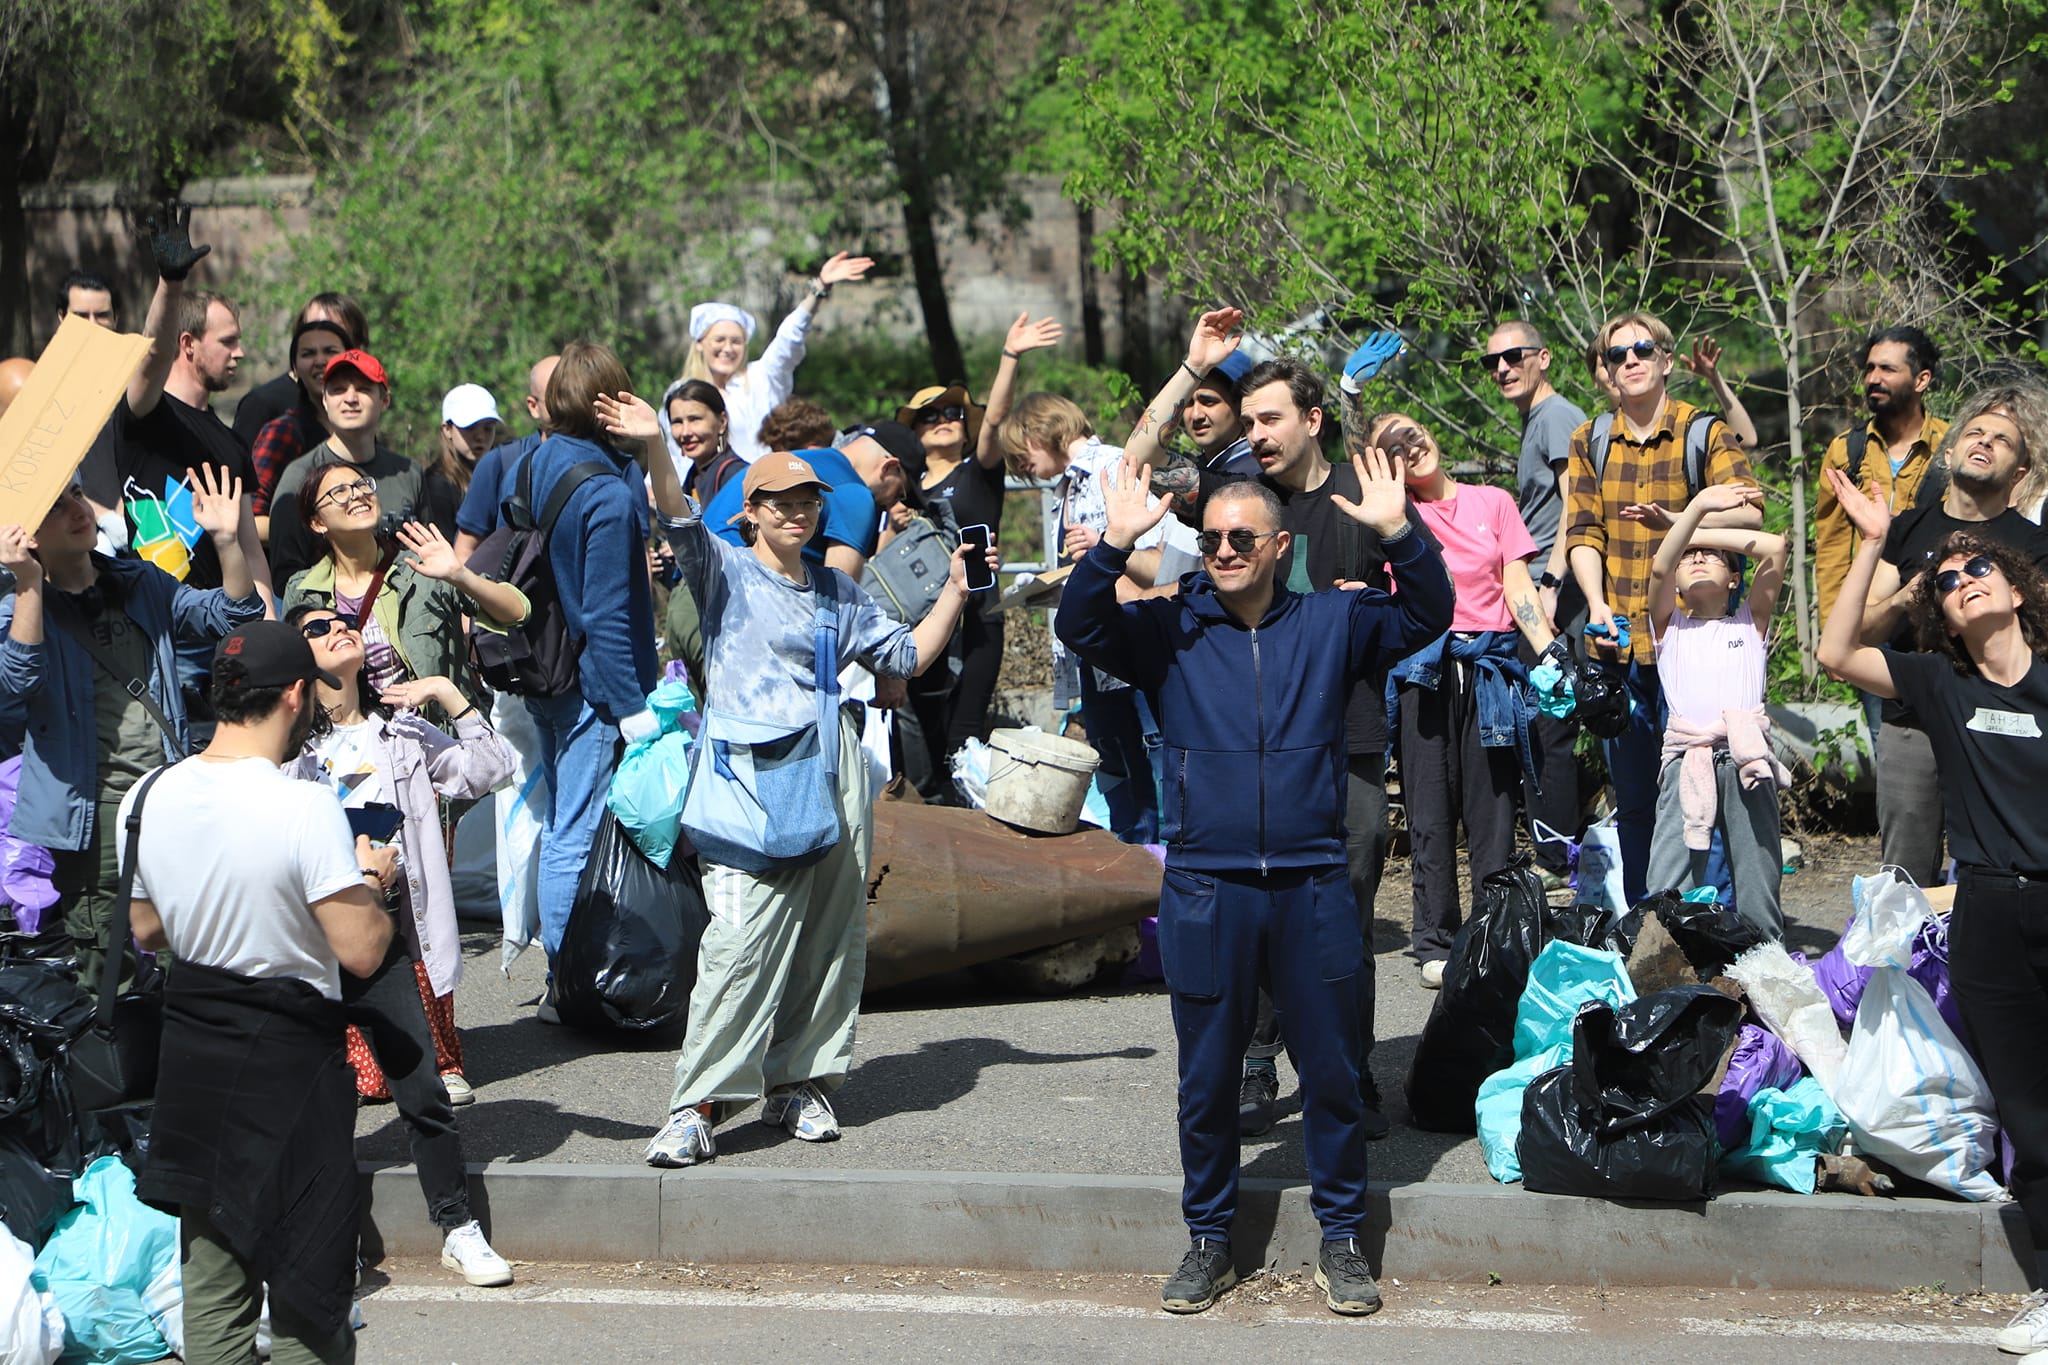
(421, 616)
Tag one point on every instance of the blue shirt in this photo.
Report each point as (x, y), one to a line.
(851, 517)
(490, 483)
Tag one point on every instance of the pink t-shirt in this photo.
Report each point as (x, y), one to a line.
(1712, 665)
(1480, 531)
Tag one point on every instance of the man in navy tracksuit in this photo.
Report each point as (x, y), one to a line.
(1249, 681)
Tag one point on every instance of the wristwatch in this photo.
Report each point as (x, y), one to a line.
(1549, 580)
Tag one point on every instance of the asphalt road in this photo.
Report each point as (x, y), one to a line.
(952, 1075)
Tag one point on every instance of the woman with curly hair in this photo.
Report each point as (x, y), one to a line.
(1980, 689)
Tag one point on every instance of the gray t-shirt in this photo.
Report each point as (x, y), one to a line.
(1546, 442)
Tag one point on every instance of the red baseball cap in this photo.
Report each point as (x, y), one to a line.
(362, 362)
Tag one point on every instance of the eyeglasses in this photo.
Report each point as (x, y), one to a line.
(348, 492)
(1641, 350)
(789, 509)
(1242, 539)
(325, 626)
(1948, 580)
(1698, 553)
(1511, 357)
(952, 412)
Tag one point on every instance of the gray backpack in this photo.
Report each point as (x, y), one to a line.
(906, 576)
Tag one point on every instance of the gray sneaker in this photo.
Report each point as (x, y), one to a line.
(1205, 1272)
(1346, 1280)
(685, 1140)
(803, 1110)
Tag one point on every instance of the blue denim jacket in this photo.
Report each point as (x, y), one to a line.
(46, 695)
(1500, 686)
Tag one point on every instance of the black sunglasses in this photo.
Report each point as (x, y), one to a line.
(951, 413)
(1642, 350)
(1242, 539)
(326, 625)
(1512, 356)
(1948, 580)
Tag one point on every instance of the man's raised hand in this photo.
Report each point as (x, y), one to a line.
(1129, 507)
(1026, 335)
(628, 417)
(1216, 336)
(170, 241)
(1382, 491)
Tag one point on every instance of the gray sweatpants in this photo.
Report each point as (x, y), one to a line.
(1909, 814)
(780, 968)
(1748, 820)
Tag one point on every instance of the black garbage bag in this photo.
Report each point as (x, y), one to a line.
(1601, 699)
(32, 1196)
(1470, 1033)
(1711, 935)
(629, 953)
(43, 1010)
(1626, 1119)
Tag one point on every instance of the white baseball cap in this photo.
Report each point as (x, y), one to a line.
(468, 404)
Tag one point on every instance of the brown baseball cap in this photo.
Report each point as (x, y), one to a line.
(779, 471)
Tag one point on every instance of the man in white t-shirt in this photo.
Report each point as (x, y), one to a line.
(254, 884)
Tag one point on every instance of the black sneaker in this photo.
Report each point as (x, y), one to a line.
(1346, 1280)
(1373, 1122)
(1205, 1272)
(1258, 1101)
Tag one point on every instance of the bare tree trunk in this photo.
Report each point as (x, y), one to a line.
(32, 138)
(902, 121)
(1134, 316)
(1092, 349)
(1795, 466)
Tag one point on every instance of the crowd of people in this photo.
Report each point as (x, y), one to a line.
(286, 619)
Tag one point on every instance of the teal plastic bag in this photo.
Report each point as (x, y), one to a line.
(1787, 1130)
(112, 1266)
(653, 779)
(1564, 977)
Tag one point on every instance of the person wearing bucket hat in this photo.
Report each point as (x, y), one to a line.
(781, 965)
(963, 464)
(720, 334)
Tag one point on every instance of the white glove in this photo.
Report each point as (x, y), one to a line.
(640, 728)
(114, 530)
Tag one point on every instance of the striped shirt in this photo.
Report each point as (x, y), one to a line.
(1649, 470)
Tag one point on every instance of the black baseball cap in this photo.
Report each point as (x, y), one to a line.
(893, 437)
(266, 654)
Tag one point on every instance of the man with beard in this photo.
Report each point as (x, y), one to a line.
(1997, 435)
(1893, 450)
(253, 882)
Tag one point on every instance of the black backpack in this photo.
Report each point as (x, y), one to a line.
(537, 657)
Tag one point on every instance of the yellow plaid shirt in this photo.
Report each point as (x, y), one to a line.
(1651, 470)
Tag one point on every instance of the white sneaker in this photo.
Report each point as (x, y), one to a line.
(466, 1251)
(458, 1088)
(684, 1140)
(1433, 976)
(803, 1110)
(2028, 1330)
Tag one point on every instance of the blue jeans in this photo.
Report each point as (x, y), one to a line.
(1634, 764)
(576, 752)
(1117, 722)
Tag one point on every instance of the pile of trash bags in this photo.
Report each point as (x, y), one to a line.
(1649, 1054)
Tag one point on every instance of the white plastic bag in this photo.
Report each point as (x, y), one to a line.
(970, 772)
(1910, 1090)
(1789, 1001)
(31, 1324)
(520, 807)
(1598, 877)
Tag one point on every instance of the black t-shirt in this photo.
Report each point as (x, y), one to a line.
(268, 401)
(440, 500)
(136, 463)
(1915, 539)
(1989, 751)
(975, 492)
(1329, 548)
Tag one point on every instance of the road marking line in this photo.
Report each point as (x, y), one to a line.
(1904, 1333)
(978, 1304)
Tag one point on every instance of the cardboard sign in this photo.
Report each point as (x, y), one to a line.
(52, 422)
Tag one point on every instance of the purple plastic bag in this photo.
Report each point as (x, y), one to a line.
(1761, 1062)
(1842, 981)
(25, 869)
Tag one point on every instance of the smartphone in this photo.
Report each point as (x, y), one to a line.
(980, 577)
(377, 820)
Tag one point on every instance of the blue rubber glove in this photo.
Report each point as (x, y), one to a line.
(1363, 364)
(1554, 696)
(1599, 636)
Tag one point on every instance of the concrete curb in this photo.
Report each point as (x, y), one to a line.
(1132, 1224)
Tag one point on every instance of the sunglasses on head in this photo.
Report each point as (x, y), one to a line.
(1242, 539)
(1948, 580)
(325, 626)
(1641, 350)
(1511, 357)
(952, 412)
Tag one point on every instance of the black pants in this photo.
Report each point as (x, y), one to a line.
(387, 1008)
(1557, 806)
(1998, 967)
(1446, 776)
(1365, 856)
(919, 744)
(981, 643)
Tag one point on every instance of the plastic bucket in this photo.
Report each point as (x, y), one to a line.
(1038, 781)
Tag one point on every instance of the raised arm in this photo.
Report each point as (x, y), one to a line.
(1216, 335)
(785, 351)
(1091, 622)
(1680, 532)
(170, 246)
(1705, 362)
(1840, 652)
(430, 554)
(1024, 335)
(1421, 610)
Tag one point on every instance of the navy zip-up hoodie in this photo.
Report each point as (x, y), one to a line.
(1252, 718)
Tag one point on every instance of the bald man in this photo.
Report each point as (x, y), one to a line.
(496, 471)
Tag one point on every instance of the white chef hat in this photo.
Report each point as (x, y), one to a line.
(705, 316)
